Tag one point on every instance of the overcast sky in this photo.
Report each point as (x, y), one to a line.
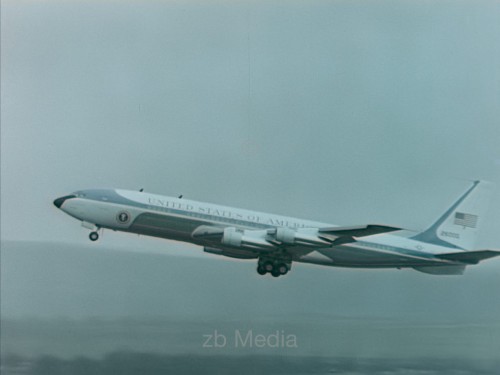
(346, 112)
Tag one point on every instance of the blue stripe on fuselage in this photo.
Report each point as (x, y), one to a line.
(111, 196)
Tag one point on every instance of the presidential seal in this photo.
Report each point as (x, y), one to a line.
(123, 217)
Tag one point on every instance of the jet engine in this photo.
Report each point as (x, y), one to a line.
(256, 239)
(292, 237)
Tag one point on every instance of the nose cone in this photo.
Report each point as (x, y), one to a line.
(59, 201)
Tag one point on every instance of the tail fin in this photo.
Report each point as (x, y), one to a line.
(458, 226)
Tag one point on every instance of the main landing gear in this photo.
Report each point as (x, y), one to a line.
(276, 268)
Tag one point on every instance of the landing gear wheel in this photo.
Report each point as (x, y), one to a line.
(94, 236)
(261, 270)
(275, 265)
(268, 266)
(281, 268)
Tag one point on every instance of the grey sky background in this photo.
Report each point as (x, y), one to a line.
(344, 112)
(348, 112)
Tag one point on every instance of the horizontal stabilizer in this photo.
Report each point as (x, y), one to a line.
(469, 257)
(442, 270)
(357, 231)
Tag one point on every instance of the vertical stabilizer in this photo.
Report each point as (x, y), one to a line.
(458, 226)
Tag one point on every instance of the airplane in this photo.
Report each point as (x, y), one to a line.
(445, 248)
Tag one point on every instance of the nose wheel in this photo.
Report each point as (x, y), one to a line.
(94, 236)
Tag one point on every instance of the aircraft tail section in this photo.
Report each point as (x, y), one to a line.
(463, 259)
(458, 226)
(470, 257)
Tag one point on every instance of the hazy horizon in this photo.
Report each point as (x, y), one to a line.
(119, 294)
(343, 112)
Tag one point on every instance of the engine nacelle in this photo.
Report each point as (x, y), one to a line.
(289, 236)
(248, 238)
(286, 235)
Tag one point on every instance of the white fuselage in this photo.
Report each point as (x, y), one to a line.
(177, 219)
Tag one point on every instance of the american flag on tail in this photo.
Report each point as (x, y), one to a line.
(466, 220)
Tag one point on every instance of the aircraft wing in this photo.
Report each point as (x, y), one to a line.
(358, 231)
(342, 235)
(297, 241)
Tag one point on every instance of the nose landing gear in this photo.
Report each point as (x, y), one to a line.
(94, 236)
